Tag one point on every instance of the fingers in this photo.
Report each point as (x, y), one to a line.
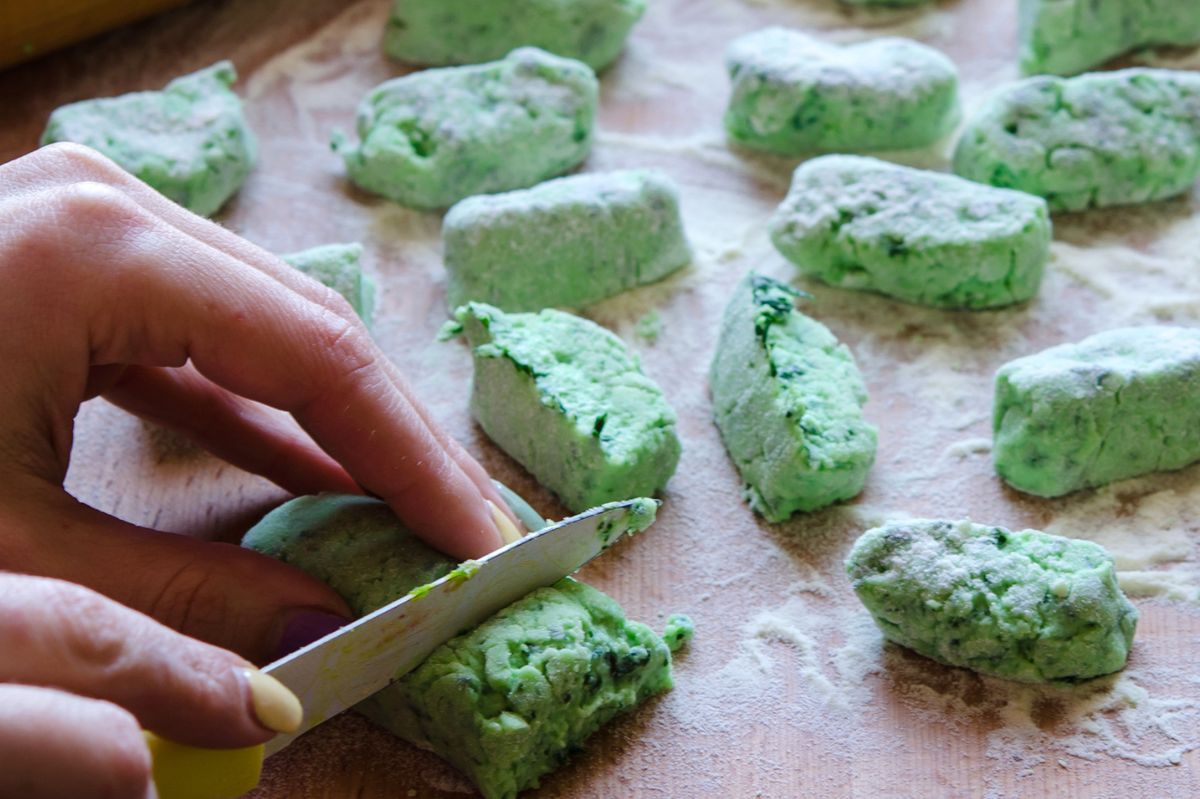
(43, 731)
(219, 593)
(159, 296)
(56, 634)
(241, 432)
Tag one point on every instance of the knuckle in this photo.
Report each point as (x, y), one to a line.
(97, 203)
(80, 161)
(92, 630)
(347, 345)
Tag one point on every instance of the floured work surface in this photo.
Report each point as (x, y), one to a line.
(787, 690)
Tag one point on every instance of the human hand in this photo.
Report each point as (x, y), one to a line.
(80, 676)
(110, 289)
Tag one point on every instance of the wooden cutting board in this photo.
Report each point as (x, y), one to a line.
(787, 690)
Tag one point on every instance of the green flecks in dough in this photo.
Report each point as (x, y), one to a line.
(1063, 37)
(1100, 139)
(441, 32)
(339, 267)
(507, 702)
(568, 242)
(1024, 605)
(787, 398)
(434, 137)
(189, 141)
(640, 515)
(1116, 405)
(568, 400)
(923, 237)
(649, 326)
(679, 631)
(794, 94)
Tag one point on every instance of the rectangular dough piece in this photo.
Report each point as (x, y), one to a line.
(189, 141)
(1065, 37)
(794, 94)
(787, 398)
(339, 266)
(1026, 605)
(1119, 404)
(431, 138)
(923, 237)
(1099, 139)
(569, 401)
(441, 32)
(507, 702)
(568, 242)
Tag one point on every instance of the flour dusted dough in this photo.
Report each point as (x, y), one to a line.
(434, 137)
(1104, 138)
(1023, 605)
(787, 398)
(440, 32)
(566, 242)
(569, 401)
(923, 237)
(507, 702)
(190, 140)
(794, 94)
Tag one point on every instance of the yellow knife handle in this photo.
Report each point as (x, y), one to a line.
(189, 772)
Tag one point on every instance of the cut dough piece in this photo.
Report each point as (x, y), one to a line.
(1116, 405)
(924, 237)
(1025, 605)
(787, 398)
(1063, 37)
(507, 702)
(441, 32)
(567, 242)
(339, 267)
(568, 400)
(190, 140)
(793, 94)
(1105, 138)
(434, 137)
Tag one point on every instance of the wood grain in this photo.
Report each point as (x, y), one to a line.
(785, 692)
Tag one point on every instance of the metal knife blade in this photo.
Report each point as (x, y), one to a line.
(348, 665)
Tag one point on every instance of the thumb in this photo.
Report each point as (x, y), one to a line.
(219, 593)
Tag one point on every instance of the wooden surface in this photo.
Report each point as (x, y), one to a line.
(787, 691)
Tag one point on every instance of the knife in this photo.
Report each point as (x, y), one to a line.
(348, 665)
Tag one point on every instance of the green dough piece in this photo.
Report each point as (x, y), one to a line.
(924, 237)
(1063, 37)
(434, 137)
(441, 32)
(1116, 405)
(793, 94)
(679, 631)
(189, 141)
(1106, 138)
(787, 398)
(339, 267)
(568, 400)
(1026, 606)
(508, 701)
(567, 242)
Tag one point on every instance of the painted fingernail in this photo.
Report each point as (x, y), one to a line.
(275, 706)
(508, 530)
(304, 628)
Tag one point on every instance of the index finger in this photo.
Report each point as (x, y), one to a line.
(157, 297)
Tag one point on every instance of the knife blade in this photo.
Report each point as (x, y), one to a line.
(354, 662)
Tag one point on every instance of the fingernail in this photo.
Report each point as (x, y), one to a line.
(304, 628)
(508, 530)
(276, 707)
